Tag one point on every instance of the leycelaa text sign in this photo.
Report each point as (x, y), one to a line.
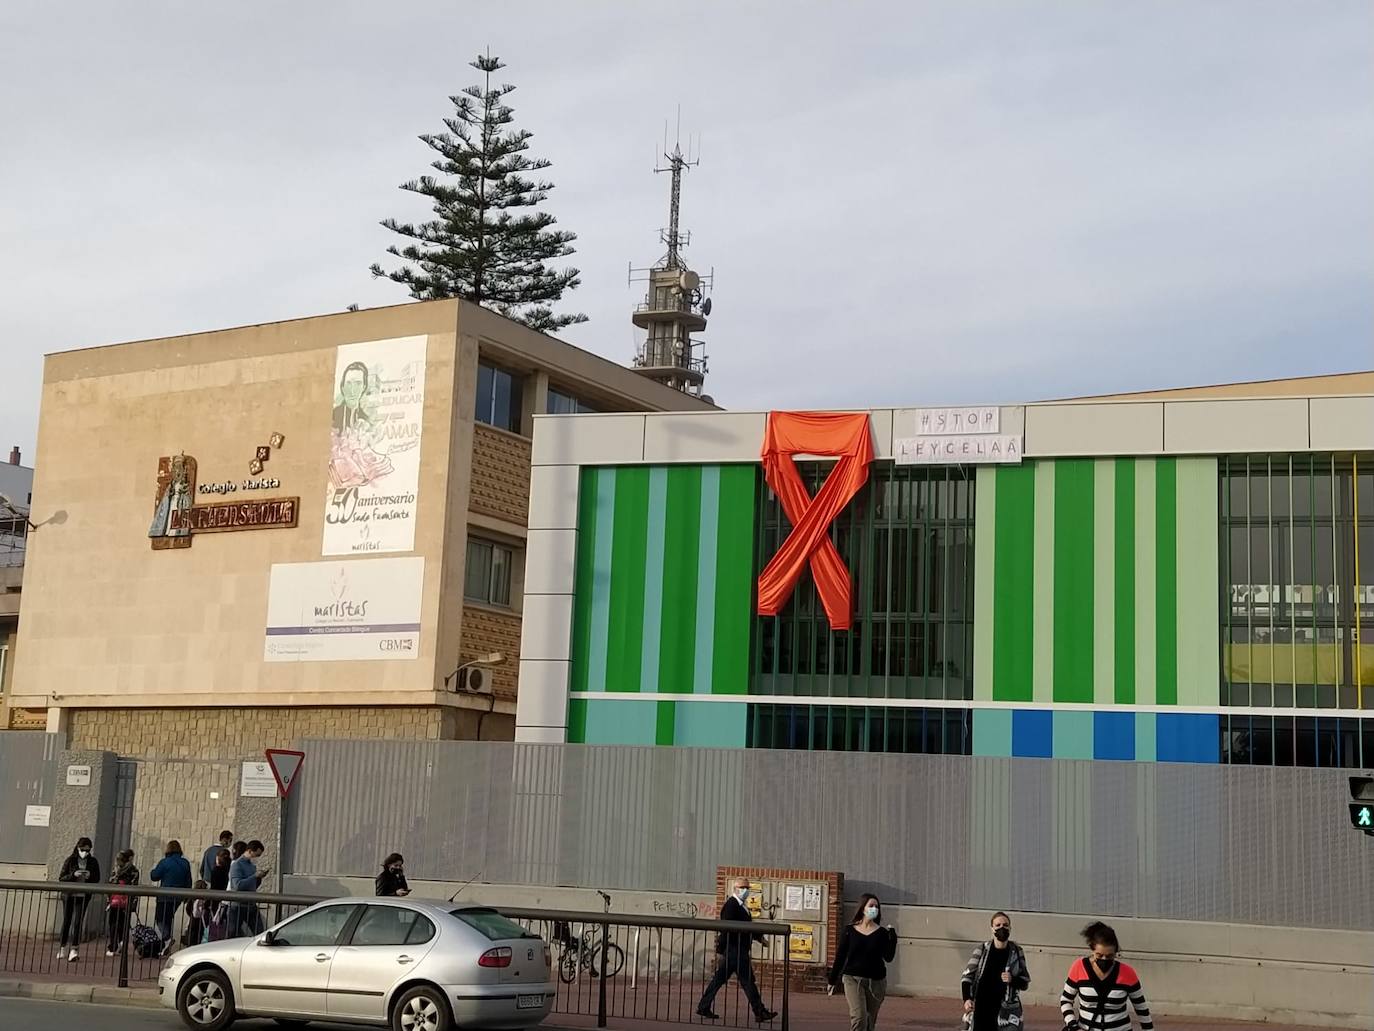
(958, 436)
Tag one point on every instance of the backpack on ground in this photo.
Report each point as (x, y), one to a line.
(146, 942)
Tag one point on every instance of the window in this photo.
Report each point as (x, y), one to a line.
(1329, 742)
(1292, 594)
(491, 924)
(488, 573)
(316, 928)
(907, 539)
(853, 728)
(392, 925)
(565, 404)
(498, 397)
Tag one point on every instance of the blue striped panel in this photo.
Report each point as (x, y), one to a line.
(1073, 734)
(1032, 733)
(653, 578)
(992, 732)
(710, 724)
(1113, 735)
(1188, 737)
(706, 579)
(601, 579)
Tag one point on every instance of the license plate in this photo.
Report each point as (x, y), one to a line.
(529, 1002)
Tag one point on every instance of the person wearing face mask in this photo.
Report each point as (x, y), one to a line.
(733, 949)
(392, 880)
(81, 867)
(866, 948)
(993, 981)
(1099, 985)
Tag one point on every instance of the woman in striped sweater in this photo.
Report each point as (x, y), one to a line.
(1101, 985)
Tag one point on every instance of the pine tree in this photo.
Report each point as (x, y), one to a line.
(476, 248)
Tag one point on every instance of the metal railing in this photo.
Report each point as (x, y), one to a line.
(38, 916)
(608, 965)
(617, 965)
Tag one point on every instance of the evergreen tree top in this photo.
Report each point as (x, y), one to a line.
(485, 243)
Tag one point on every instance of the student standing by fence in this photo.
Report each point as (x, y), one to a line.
(81, 867)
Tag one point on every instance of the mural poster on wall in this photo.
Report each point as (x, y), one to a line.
(374, 447)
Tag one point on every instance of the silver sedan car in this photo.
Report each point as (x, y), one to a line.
(407, 964)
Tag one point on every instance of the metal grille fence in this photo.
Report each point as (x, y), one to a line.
(1176, 841)
(28, 777)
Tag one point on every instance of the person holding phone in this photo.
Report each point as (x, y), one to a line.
(392, 880)
(865, 949)
(81, 867)
(244, 875)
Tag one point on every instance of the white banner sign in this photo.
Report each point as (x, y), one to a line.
(256, 781)
(374, 447)
(344, 610)
(975, 449)
(953, 422)
(37, 815)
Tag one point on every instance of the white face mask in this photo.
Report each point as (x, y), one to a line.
(872, 913)
(83, 852)
(742, 894)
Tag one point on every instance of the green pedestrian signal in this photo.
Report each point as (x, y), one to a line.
(1362, 809)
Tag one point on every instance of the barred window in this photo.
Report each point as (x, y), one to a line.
(854, 728)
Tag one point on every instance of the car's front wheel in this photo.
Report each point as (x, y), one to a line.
(421, 1009)
(205, 1000)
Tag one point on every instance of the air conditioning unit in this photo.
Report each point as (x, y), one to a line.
(475, 680)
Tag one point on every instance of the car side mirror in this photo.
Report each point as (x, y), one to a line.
(270, 938)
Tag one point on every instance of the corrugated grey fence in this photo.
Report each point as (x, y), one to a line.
(1177, 841)
(28, 777)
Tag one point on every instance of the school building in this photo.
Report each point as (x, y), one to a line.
(1173, 576)
(311, 528)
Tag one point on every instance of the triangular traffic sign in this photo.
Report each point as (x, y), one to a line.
(286, 764)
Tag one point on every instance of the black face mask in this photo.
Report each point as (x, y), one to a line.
(1002, 933)
(1103, 965)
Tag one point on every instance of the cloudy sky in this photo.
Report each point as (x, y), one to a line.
(903, 202)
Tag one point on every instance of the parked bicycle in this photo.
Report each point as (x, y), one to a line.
(578, 953)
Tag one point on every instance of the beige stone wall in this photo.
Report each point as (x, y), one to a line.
(108, 620)
(500, 475)
(176, 800)
(226, 733)
(487, 630)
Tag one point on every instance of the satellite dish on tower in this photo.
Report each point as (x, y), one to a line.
(706, 307)
(689, 280)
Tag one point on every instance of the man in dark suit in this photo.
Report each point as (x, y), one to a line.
(733, 949)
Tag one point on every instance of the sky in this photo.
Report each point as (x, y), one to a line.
(902, 202)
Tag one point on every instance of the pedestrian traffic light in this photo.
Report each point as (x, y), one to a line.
(1362, 809)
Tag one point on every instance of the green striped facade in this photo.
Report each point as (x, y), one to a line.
(1096, 582)
(662, 602)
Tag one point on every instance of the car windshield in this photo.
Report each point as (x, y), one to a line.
(492, 924)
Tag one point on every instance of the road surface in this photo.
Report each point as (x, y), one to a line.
(30, 1015)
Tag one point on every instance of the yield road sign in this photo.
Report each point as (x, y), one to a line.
(286, 764)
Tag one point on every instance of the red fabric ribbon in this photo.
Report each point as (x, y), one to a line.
(845, 436)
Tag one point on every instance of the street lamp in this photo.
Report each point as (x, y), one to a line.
(18, 513)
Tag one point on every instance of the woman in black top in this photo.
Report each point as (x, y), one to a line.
(994, 979)
(392, 879)
(866, 948)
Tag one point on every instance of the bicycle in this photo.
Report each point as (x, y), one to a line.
(576, 954)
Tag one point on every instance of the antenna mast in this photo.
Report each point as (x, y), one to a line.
(677, 300)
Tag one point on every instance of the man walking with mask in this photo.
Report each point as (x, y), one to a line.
(733, 949)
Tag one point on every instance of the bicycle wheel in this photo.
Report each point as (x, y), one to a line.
(567, 966)
(615, 960)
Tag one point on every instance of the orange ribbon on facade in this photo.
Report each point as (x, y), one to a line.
(844, 436)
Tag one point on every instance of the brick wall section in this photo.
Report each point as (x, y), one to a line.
(233, 733)
(487, 630)
(500, 475)
(805, 977)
